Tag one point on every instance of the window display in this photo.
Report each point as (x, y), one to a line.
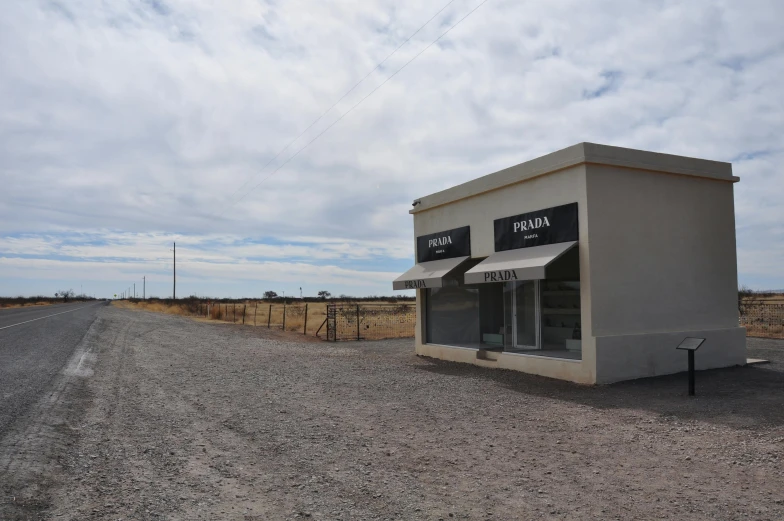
(561, 327)
(452, 316)
(539, 317)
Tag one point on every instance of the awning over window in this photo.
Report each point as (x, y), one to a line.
(519, 264)
(427, 274)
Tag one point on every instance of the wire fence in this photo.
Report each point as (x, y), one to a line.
(332, 321)
(765, 320)
(307, 318)
(370, 321)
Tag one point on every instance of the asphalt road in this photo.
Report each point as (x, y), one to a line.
(35, 344)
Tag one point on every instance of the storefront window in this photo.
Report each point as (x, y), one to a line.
(491, 315)
(520, 315)
(529, 316)
(560, 303)
(561, 327)
(453, 316)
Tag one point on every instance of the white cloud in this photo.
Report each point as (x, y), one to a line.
(284, 272)
(146, 117)
(154, 247)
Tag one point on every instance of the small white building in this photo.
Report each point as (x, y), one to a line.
(590, 264)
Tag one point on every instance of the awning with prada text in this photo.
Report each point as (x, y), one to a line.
(518, 264)
(427, 274)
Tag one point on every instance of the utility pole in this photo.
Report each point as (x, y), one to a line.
(174, 265)
(144, 288)
(134, 290)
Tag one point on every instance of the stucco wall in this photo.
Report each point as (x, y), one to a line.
(479, 212)
(572, 370)
(657, 257)
(553, 189)
(662, 252)
(625, 357)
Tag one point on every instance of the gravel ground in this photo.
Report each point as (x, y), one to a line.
(185, 420)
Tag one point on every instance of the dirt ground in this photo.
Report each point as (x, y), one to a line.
(165, 417)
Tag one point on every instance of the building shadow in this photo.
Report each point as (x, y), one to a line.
(750, 397)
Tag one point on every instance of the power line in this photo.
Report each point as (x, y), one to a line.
(357, 104)
(379, 64)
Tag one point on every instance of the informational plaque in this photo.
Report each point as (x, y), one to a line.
(690, 344)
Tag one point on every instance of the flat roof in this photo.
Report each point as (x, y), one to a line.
(575, 155)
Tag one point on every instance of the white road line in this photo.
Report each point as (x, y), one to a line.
(47, 316)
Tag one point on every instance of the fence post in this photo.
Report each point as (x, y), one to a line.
(243, 313)
(305, 329)
(225, 311)
(284, 315)
(234, 312)
(269, 317)
(322, 325)
(255, 312)
(357, 321)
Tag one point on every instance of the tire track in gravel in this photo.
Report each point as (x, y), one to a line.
(223, 438)
(120, 478)
(220, 441)
(103, 440)
(144, 429)
(31, 461)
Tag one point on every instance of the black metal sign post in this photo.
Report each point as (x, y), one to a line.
(690, 345)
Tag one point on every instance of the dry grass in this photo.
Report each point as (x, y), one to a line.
(263, 314)
(765, 331)
(775, 298)
(154, 306)
(5, 305)
(762, 316)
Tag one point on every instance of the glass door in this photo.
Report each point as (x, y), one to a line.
(521, 303)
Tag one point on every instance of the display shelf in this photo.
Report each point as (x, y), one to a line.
(564, 322)
(561, 311)
(561, 328)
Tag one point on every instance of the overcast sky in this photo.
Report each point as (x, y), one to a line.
(127, 125)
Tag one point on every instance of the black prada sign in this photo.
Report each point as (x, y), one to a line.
(500, 276)
(444, 245)
(548, 226)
